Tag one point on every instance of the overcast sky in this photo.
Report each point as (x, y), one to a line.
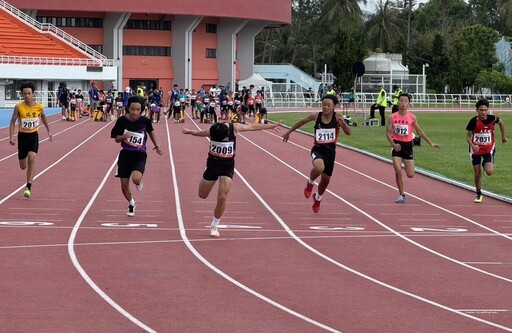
(371, 5)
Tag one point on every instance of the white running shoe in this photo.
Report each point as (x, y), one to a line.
(214, 232)
(139, 187)
(400, 199)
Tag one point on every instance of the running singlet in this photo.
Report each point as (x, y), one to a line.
(29, 117)
(326, 135)
(226, 149)
(137, 131)
(483, 134)
(402, 126)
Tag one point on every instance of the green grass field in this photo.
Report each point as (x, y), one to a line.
(448, 130)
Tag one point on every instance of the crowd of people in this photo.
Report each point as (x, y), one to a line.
(134, 125)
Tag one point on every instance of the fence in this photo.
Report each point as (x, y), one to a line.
(295, 97)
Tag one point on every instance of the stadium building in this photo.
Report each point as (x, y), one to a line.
(124, 43)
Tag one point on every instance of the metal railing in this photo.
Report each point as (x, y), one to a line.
(44, 61)
(52, 30)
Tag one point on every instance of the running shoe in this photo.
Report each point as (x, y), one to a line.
(214, 232)
(400, 199)
(26, 194)
(131, 210)
(479, 198)
(139, 187)
(316, 204)
(308, 189)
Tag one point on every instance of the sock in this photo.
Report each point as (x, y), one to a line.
(215, 222)
(29, 185)
(318, 197)
(311, 181)
(478, 191)
(132, 202)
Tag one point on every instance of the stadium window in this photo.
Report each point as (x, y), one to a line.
(211, 28)
(211, 53)
(134, 50)
(148, 25)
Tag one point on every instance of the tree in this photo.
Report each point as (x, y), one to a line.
(384, 27)
(349, 47)
(341, 14)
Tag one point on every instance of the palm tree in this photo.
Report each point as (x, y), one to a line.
(385, 27)
(341, 14)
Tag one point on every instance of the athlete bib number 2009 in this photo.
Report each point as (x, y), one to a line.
(222, 149)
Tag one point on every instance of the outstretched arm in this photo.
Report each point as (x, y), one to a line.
(299, 124)
(202, 133)
(255, 127)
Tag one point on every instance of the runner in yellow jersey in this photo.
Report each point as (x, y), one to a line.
(28, 113)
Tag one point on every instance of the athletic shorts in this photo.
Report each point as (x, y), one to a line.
(216, 168)
(27, 142)
(485, 158)
(325, 154)
(130, 161)
(406, 151)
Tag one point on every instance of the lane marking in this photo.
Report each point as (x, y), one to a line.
(209, 264)
(54, 164)
(83, 273)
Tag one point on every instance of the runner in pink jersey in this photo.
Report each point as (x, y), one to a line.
(399, 132)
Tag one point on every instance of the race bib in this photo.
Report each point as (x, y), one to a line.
(401, 130)
(212, 104)
(325, 135)
(182, 100)
(177, 103)
(29, 124)
(135, 139)
(119, 104)
(482, 138)
(222, 149)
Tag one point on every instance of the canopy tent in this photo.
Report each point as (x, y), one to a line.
(257, 81)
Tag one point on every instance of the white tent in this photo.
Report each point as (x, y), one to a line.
(257, 81)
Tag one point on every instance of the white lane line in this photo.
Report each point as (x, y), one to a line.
(40, 141)
(83, 273)
(381, 283)
(213, 267)
(54, 164)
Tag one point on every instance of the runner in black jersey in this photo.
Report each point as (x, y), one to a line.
(220, 164)
(132, 132)
(323, 153)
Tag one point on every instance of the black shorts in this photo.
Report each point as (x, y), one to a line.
(216, 168)
(27, 142)
(406, 151)
(485, 158)
(325, 154)
(64, 103)
(130, 161)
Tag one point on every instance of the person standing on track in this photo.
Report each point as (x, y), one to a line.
(399, 133)
(27, 113)
(482, 145)
(132, 131)
(323, 153)
(220, 164)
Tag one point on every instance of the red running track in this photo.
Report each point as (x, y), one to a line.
(72, 261)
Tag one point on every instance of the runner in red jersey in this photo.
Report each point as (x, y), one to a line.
(482, 144)
(399, 132)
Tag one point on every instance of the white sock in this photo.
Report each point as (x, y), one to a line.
(318, 197)
(311, 181)
(132, 202)
(215, 222)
